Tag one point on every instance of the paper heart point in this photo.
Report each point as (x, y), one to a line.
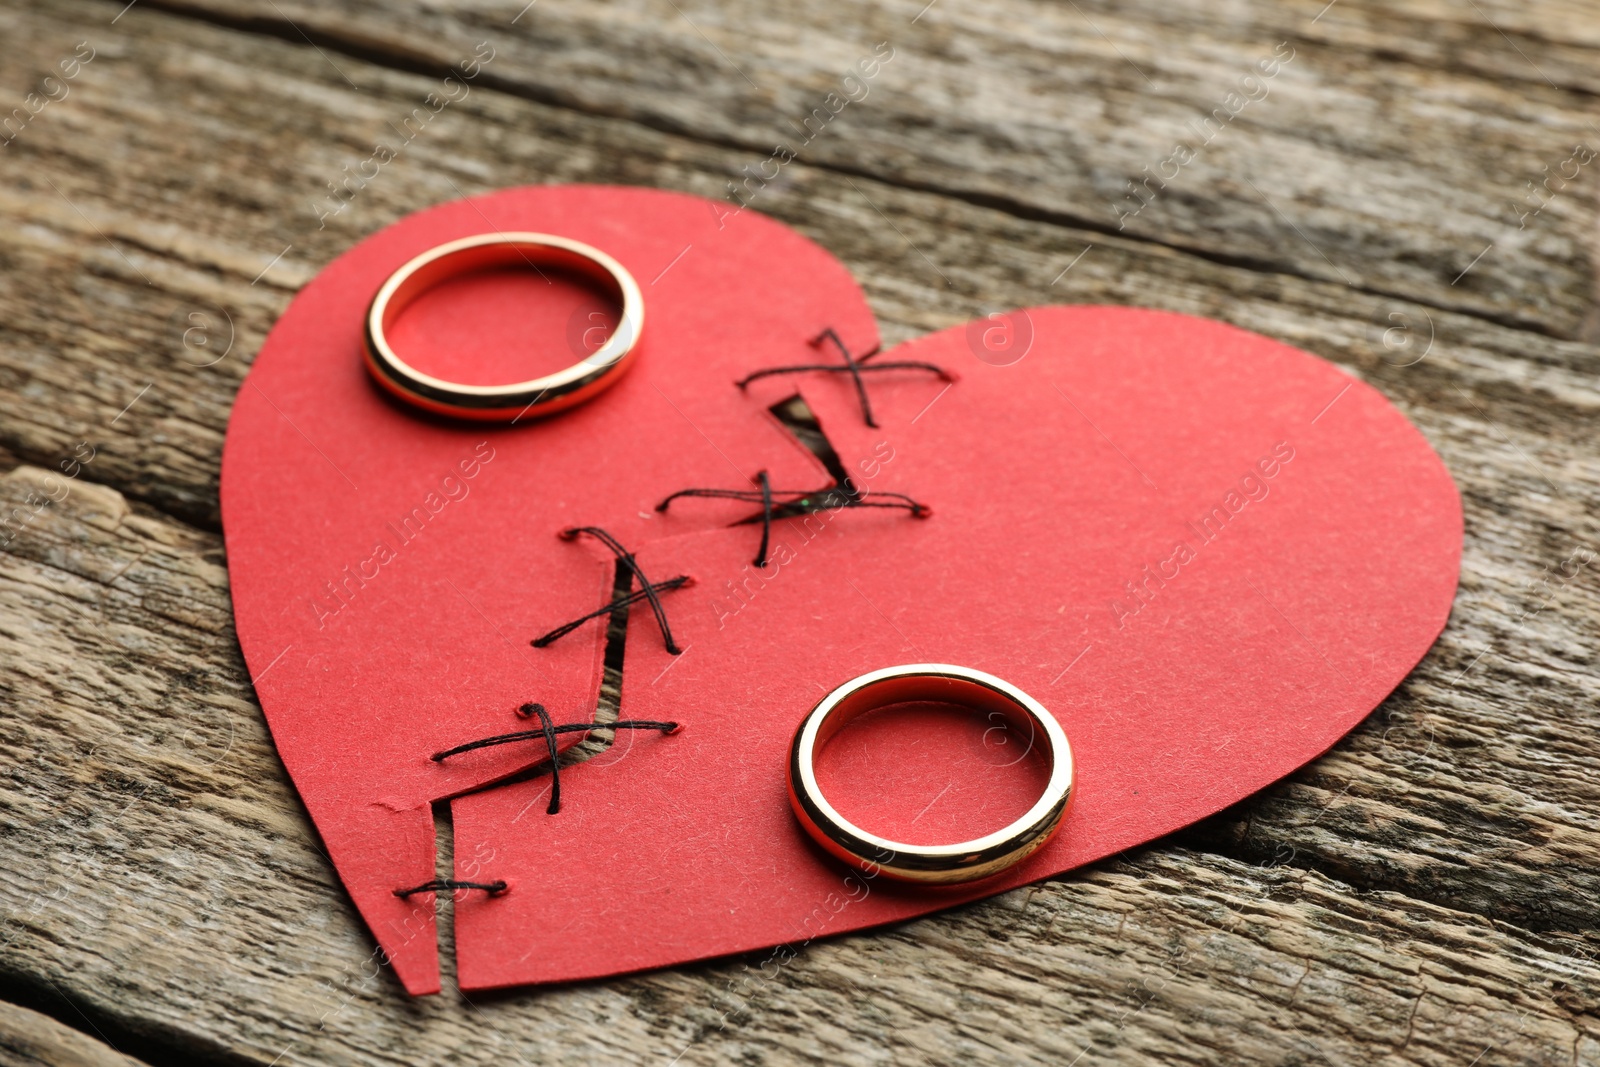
(1207, 553)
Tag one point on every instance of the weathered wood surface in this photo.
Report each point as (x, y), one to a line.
(29, 1039)
(1423, 894)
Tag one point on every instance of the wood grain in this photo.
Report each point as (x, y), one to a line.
(1423, 894)
(29, 1039)
(1378, 154)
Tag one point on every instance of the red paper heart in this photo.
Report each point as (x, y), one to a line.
(1055, 479)
(388, 569)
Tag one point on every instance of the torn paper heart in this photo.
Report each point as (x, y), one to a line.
(1209, 554)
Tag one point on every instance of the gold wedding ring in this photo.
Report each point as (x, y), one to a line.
(503, 403)
(964, 861)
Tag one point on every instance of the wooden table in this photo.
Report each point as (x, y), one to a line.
(1412, 195)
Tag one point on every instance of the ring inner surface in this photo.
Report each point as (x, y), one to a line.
(489, 257)
(504, 316)
(903, 690)
(938, 721)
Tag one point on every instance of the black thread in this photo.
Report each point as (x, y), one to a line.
(766, 517)
(439, 885)
(621, 602)
(852, 366)
(548, 731)
(805, 502)
(647, 590)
